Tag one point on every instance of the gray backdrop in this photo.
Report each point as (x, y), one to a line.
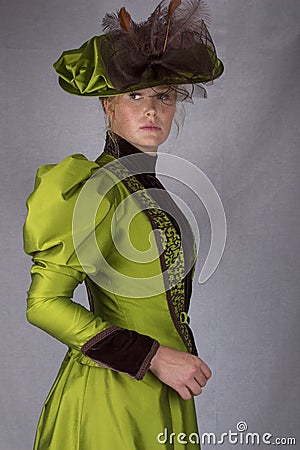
(245, 137)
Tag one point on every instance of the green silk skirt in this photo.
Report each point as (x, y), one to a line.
(90, 408)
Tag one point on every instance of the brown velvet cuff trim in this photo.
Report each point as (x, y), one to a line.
(122, 350)
(147, 361)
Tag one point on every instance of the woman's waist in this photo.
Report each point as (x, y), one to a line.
(156, 322)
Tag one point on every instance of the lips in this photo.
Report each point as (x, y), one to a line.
(151, 127)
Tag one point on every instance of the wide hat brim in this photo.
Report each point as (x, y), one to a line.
(84, 71)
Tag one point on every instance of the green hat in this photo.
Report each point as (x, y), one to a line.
(172, 47)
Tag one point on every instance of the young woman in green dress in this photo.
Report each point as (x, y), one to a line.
(131, 369)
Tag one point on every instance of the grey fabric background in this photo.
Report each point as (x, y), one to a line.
(245, 137)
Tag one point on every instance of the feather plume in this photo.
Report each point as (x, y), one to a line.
(156, 23)
(173, 41)
(124, 19)
(110, 22)
(173, 5)
(188, 16)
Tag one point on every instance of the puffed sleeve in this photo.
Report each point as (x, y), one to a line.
(56, 271)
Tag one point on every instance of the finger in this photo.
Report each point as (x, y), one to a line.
(201, 379)
(185, 393)
(205, 369)
(194, 387)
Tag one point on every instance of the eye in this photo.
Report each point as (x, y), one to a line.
(163, 97)
(166, 98)
(135, 95)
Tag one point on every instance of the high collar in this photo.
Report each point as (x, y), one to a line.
(145, 163)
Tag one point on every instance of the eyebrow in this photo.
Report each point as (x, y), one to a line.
(156, 90)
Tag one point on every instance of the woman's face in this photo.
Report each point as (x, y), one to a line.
(143, 117)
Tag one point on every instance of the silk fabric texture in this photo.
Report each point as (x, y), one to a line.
(90, 406)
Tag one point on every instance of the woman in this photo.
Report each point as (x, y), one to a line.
(131, 369)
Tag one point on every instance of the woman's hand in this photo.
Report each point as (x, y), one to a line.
(185, 373)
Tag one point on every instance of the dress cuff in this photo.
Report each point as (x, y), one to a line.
(122, 350)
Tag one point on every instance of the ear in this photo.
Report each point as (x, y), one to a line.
(108, 106)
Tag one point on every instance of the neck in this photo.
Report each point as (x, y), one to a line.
(118, 147)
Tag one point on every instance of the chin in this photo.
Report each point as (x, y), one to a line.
(153, 140)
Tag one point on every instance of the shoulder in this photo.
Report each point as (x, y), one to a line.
(66, 178)
(66, 174)
(51, 204)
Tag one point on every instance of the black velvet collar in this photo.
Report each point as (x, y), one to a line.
(145, 163)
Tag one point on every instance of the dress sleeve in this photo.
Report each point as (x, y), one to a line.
(56, 272)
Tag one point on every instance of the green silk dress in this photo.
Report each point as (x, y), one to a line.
(104, 397)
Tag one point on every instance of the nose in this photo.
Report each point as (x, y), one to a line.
(150, 107)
